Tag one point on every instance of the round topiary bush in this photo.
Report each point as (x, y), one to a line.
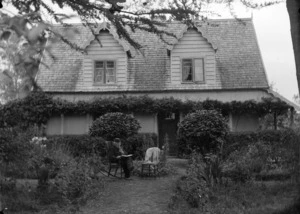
(114, 125)
(203, 131)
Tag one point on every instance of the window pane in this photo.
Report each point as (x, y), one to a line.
(98, 77)
(187, 62)
(98, 72)
(99, 64)
(199, 70)
(187, 70)
(110, 75)
(110, 72)
(110, 64)
(110, 79)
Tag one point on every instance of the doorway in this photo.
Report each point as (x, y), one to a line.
(167, 126)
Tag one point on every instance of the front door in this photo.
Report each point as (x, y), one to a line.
(167, 126)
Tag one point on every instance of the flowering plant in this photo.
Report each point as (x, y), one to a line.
(39, 141)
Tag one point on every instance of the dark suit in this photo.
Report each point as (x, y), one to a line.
(113, 152)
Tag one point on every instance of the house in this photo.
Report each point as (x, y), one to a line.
(219, 60)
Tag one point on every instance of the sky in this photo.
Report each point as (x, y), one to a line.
(273, 33)
(272, 27)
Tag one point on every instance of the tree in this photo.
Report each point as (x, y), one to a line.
(293, 8)
(16, 72)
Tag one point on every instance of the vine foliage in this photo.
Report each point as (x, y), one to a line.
(38, 107)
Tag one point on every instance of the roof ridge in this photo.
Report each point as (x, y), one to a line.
(168, 22)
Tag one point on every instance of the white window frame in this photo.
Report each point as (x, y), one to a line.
(193, 69)
(104, 82)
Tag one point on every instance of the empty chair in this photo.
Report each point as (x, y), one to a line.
(152, 159)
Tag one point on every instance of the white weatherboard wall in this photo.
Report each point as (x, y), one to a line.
(69, 125)
(53, 126)
(193, 45)
(76, 125)
(148, 123)
(242, 123)
(110, 50)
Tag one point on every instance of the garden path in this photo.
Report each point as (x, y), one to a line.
(137, 196)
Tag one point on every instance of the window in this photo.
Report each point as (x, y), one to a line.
(193, 70)
(105, 72)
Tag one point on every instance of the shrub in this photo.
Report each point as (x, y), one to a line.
(15, 149)
(14, 144)
(70, 160)
(114, 125)
(74, 181)
(73, 185)
(138, 144)
(276, 149)
(245, 164)
(203, 131)
(277, 138)
(194, 187)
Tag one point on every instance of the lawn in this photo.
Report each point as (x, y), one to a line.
(157, 195)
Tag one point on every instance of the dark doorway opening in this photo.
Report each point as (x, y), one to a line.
(167, 126)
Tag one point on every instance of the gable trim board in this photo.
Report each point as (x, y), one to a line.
(205, 36)
(105, 26)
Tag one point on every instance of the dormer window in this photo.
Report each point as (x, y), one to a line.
(193, 70)
(105, 72)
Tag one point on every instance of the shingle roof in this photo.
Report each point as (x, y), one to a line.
(238, 60)
(282, 98)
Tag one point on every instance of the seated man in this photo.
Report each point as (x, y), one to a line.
(116, 154)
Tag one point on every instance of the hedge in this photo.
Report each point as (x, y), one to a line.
(278, 138)
(80, 145)
(286, 138)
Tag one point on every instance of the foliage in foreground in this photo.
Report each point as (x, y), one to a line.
(195, 193)
(236, 198)
(255, 176)
(66, 179)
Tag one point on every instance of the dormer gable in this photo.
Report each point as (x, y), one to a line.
(106, 27)
(105, 63)
(198, 29)
(193, 59)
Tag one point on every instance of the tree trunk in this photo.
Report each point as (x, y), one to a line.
(293, 8)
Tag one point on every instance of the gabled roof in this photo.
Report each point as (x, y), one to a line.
(282, 98)
(106, 26)
(185, 29)
(238, 60)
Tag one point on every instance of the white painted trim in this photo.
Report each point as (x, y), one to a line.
(156, 125)
(62, 122)
(87, 123)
